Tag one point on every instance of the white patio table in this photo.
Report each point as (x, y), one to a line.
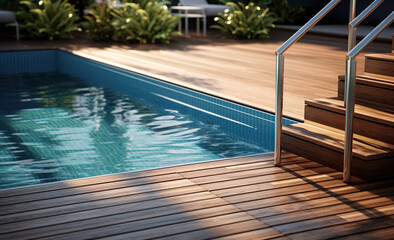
(190, 12)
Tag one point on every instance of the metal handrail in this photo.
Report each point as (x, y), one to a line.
(307, 26)
(279, 71)
(356, 21)
(352, 15)
(353, 24)
(350, 96)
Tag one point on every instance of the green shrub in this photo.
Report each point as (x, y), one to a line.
(285, 13)
(146, 22)
(99, 22)
(280, 9)
(247, 22)
(47, 20)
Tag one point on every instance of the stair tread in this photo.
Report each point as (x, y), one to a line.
(367, 151)
(361, 111)
(381, 56)
(377, 80)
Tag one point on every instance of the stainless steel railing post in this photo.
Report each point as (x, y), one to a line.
(279, 74)
(350, 98)
(350, 91)
(278, 107)
(352, 33)
(352, 28)
(351, 40)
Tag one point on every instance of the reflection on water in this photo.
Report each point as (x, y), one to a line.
(53, 127)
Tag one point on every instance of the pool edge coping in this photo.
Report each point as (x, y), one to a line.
(154, 76)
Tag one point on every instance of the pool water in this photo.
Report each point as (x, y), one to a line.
(54, 127)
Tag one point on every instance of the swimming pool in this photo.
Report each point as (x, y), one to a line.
(66, 117)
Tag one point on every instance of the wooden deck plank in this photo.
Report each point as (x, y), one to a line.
(244, 166)
(223, 183)
(366, 190)
(358, 229)
(378, 209)
(253, 235)
(225, 189)
(229, 230)
(384, 233)
(232, 173)
(271, 193)
(143, 191)
(189, 194)
(319, 203)
(134, 221)
(116, 214)
(323, 203)
(286, 214)
(136, 183)
(250, 202)
(289, 180)
(160, 227)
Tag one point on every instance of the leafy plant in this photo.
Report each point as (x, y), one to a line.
(281, 9)
(245, 21)
(146, 22)
(47, 20)
(285, 13)
(99, 24)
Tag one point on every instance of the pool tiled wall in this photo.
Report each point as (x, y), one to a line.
(28, 61)
(247, 124)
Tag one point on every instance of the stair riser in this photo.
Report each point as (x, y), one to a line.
(377, 66)
(368, 170)
(360, 126)
(370, 94)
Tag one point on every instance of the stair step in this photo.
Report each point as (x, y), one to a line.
(335, 141)
(376, 90)
(370, 160)
(382, 63)
(360, 111)
(377, 80)
(369, 122)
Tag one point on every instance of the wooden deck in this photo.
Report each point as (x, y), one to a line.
(242, 198)
(242, 71)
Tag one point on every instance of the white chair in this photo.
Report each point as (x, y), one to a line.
(210, 9)
(111, 3)
(7, 17)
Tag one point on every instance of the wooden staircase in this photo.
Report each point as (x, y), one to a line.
(321, 136)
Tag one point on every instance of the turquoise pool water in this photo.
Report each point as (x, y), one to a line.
(65, 117)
